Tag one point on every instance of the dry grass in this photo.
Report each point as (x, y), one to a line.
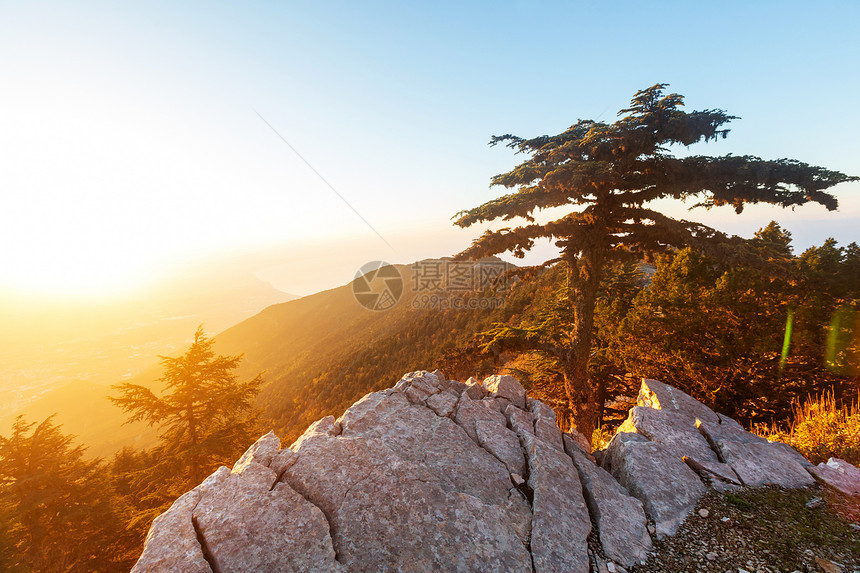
(821, 429)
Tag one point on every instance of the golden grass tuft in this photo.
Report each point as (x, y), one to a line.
(821, 429)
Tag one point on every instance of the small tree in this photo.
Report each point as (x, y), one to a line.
(205, 415)
(611, 172)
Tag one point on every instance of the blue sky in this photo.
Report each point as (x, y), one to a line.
(129, 135)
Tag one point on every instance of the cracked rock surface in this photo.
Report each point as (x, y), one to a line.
(438, 475)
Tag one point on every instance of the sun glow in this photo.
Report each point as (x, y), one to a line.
(66, 270)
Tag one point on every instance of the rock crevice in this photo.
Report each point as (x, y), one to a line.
(204, 546)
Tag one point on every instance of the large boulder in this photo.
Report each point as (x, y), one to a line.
(715, 446)
(250, 523)
(676, 431)
(172, 544)
(435, 475)
(242, 520)
(667, 488)
(398, 487)
(506, 387)
(420, 385)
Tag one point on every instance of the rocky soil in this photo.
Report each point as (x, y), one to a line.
(770, 530)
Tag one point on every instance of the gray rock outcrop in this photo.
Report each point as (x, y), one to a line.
(506, 387)
(438, 475)
(676, 431)
(172, 543)
(716, 446)
(560, 522)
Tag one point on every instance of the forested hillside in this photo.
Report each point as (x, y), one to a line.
(741, 342)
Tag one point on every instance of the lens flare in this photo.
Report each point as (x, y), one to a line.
(786, 341)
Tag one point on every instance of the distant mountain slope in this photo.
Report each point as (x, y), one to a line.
(322, 352)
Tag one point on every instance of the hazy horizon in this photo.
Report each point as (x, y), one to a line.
(136, 138)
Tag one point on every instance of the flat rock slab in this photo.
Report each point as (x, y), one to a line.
(506, 387)
(754, 460)
(839, 475)
(677, 432)
(758, 464)
(798, 457)
(248, 526)
(667, 488)
(620, 518)
(502, 443)
(715, 432)
(560, 522)
(660, 396)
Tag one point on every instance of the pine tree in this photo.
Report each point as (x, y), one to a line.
(54, 504)
(205, 417)
(609, 173)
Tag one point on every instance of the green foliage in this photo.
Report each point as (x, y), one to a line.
(608, 173)
(717, 331)
(613, 170)
(204, 416)
(56, 513)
